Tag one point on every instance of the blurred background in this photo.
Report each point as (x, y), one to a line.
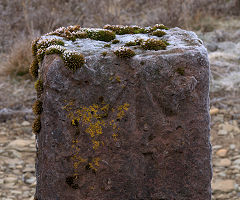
(216, 22)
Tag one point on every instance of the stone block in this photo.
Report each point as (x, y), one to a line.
(122, 113)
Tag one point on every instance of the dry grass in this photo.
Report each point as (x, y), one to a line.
(34, 17)
(28, 18)
(16, 63)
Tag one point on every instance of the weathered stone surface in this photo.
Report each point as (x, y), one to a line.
(126, 128)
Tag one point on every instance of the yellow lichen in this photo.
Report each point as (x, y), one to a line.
(92, 167)
(121, 111)
(114, 135)
(118, 79)
(96, 160)
(94, 164)
(96, 144)
(92, 118)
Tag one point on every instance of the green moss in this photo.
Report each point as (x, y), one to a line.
(34, 47)
(82, 34)
(134, 43)
(70, 32)
(140, 30)
(139, 41)
(54, 50)
(142, 62)
(36, 126)
(102, 35)
(159, 33)
(33, 70)
(38, 49)
(72, 38)
(40, 55)
(39, 86)
(69, 35)
(154, 44)
(73, 60)
(47, 43)
(121, 30)
(37, 107)
(124, 52)
(107, 45)
(159, 26)
(74, 28)
(166, 42)
(115, 41)
(180, 70)
(104, 53)
(131, 43)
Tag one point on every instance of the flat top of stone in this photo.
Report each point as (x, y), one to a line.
(177, 41)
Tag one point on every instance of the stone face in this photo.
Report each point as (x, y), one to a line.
(126, 128)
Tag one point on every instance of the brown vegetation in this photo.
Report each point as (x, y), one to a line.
(28, 19)
(16, 63)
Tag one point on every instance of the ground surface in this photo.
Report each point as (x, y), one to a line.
(17, 143)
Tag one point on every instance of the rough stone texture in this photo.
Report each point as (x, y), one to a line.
(161, 147)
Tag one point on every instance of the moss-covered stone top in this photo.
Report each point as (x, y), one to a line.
(74, 44)
(89, 41)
